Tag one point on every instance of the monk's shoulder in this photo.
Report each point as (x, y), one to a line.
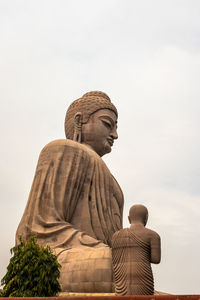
(120, 233)
(152, 234)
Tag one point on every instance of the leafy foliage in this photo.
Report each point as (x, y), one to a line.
(32, 272)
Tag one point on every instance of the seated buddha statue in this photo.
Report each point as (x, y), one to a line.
(75, 204)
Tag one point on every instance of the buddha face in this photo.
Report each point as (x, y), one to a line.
(100, 131)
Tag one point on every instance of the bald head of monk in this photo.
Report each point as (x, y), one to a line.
(138, 214)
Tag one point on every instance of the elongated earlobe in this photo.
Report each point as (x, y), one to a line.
(77, 127)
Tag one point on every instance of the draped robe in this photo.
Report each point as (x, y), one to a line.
(74, 202)
(131, 264)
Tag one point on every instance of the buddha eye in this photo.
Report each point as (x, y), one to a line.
(107, 123)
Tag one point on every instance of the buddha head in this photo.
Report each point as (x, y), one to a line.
(92, 120)
(138, 214)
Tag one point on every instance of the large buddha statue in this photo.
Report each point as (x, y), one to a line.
(75, 204)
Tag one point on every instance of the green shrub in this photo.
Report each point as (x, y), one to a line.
(32, 272)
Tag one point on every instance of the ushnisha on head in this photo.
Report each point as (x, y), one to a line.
(138, 214)
(92, 120)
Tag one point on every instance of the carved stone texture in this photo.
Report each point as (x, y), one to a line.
(133, 251)
(75, 204)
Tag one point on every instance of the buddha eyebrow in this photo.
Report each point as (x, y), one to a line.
(109, 119)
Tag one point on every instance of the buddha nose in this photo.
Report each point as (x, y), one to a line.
(114, 134)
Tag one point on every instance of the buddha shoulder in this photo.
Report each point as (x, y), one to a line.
(67, 145)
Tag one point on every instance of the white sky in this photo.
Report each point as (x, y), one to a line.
(145, 55)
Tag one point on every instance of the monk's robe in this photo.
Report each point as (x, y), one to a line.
(131, 264)
(75, 206)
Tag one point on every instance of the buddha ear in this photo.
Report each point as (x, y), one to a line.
(77, 127)
(146, 219)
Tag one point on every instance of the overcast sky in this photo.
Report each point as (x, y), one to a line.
(145, 55)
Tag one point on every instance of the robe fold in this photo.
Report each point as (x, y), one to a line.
(131, 264)
(74, 201)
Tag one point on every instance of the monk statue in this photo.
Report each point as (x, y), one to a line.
(133, 251)
(75, 204)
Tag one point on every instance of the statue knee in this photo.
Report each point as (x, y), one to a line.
(88, 270)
